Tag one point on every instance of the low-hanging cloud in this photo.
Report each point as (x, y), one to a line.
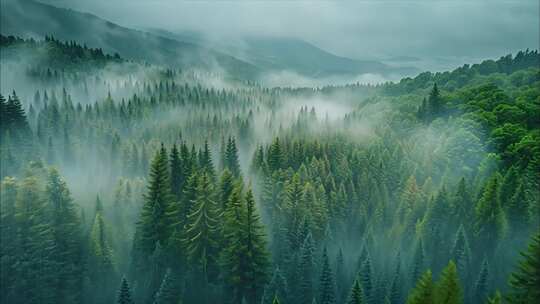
(357, 29)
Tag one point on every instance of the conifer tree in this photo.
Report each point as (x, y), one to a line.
(365, 276)
(177, 175)
(168, 292)
(448, 289)
(201, 234)
(423, 292)
(489, 216)
(306, 269)
(326, 287)
(231, 157)
(275, 159)
(277, 288)
(481, 284)
(154, 223)
(508, 187)
(67, 238)
(356, 296)
(525, 279)
(517, 211)
(124, 294)
(418, 261)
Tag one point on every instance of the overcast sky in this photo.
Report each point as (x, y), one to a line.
(358, 29)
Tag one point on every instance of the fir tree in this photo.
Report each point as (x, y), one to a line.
(124, 294)
(448, 289)
(231, 157)
(481, 284)
(168, 291)
(490, 221)
(423, 292)
(202, 235)
(326, 287)
(356, 296)
(524, 281)
(154, 224)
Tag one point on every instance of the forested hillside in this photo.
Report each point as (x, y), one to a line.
(126, 182)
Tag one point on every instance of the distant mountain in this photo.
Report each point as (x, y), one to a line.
(27, 18)
(276, 53)
(246, 58)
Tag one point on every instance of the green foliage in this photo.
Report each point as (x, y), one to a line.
(424, 291)
(124, 294)
(525, 279)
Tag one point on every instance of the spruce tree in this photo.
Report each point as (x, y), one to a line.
(517, 211)
(448, 289)
(508, 187)
(231, 157)
(277, 287)
(124, 294)
(201, 235)
(423, 292)
(154, 223)
(67, 238)
(481, 284)
(356, 296)
(326, 287)
(489, 216)
(168, 292)
(525, 279)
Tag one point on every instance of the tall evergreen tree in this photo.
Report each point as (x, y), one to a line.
(524, 281)
(424, 291)
(489, 219)
(326, 287)
(356, 296)
(154, 224)
(124, 294)
(448, 289)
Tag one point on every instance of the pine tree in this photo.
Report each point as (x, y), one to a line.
(423, 292)
(124, 294)
(326, 287)
(356, 296)
(517, 211)
(275, 159)
(277, 288)
(67, 238)
(257, 255)
(508, 187)
(418, 261)
(205, 161)
(201, 234)
(168, 292)
(307, 270)
(177, 175)
(365, 276)
(153, 223)
(489, 219)
(524, 281)
(481, 284)
(462, 204)
(448, 289)
(461, 252)
(231, 157)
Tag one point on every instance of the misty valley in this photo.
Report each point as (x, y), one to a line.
(137, 167)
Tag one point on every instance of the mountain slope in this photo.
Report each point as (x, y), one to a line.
(33, 19)
(277, 54)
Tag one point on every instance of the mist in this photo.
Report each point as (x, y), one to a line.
(245, 165)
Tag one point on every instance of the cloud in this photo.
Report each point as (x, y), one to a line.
(357, 29)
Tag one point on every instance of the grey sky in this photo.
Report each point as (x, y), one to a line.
(358, 29)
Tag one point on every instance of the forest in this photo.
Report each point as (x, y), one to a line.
(128, 182)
